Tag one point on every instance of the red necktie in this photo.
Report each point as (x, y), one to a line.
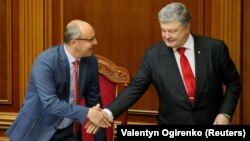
(76, 93)
(188, 75)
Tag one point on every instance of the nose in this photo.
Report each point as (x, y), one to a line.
(95, 42)
(166, 35)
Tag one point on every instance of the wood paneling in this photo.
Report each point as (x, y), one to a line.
(47, 23)
(8, 69)
(31, 38)
(5, 59)
(5, 54)
(57, 22)
(223, 21)
(25, 33)
(246, 63)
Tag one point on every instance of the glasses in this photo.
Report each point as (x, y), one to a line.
(90, 39)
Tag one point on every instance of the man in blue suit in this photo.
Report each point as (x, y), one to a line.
(196, 98)
(48, 112)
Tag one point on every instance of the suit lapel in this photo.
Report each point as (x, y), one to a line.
(82, 75)
(66, 71)
(65, 68)
(173, 71)
(201, 66)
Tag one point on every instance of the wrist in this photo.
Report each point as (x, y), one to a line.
(226, 115)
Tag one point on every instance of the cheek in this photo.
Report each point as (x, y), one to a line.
(82, 50)
(166, 36)
(87, 49)
(162, 35)
(178, 36)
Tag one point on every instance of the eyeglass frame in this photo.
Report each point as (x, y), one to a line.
(85, 39)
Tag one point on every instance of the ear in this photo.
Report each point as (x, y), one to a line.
(73, 42)
(188, 26)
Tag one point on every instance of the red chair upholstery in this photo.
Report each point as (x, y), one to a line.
(110, 76)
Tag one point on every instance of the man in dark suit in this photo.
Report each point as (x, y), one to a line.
(49, 111)
(196, 99)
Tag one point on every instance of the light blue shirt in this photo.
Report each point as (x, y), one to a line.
(66, 121)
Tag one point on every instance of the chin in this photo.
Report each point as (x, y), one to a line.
(91, 54)
(170, 45)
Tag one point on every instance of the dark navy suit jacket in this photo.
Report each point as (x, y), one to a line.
(213, 68)
(46, 101)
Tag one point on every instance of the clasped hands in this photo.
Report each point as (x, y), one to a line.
(97, 118)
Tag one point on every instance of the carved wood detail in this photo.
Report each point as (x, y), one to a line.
(111, 71)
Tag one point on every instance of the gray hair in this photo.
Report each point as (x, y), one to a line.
(72, 32)
(175, 12)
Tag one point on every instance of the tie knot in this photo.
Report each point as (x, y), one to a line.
(76, 62)
(181, 50)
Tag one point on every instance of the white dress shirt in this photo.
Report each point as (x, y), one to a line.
(189, 53)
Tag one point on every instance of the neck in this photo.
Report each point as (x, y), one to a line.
(71, 51)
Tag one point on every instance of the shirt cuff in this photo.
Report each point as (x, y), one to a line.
(109, 113)
(226, 115)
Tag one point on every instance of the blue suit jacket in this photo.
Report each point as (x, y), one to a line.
(46, 101)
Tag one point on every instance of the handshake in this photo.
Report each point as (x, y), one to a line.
(97, 118)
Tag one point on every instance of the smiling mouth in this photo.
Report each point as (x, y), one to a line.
(170, 41)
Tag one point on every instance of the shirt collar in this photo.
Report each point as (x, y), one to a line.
(189, 44)
(71, 59)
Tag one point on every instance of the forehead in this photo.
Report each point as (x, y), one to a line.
(88, 32)
(171, 25)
